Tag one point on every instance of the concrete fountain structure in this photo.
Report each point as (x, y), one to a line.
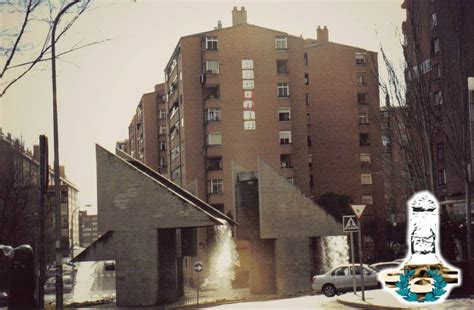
(148, 224)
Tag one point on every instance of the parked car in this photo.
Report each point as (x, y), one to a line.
(339, 280)
(109, 265)
(385, 265)
(3, 299)
(50, 285)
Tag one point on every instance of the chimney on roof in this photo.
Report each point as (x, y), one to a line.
(219, 24)
(239, 16)
(36, 152)
(322, 35)
(62, 172)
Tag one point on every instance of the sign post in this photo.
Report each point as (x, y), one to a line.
(358, 209)
(349, 225)
(353, 263)
(198, 268)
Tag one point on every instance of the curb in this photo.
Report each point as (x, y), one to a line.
(227, 302)
(365, 306)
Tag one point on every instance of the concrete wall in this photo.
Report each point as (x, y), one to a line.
(292, 265)
(285, 212)
(145, 217)
(136, 267)
(262, 266)
(129, 199)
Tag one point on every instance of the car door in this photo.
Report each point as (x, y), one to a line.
(370, 277)
(340, 276)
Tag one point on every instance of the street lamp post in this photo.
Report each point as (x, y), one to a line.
(57, 185)
(72, 228)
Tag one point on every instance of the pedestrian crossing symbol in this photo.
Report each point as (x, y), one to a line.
(349, 224)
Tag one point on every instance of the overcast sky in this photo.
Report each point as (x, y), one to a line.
(100, 87)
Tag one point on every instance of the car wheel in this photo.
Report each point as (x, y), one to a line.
(329, 290)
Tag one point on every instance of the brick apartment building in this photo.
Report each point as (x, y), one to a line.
(343, 107)
(147, 131)
(88, 232)
(308, 108)
(309, 105)
(440, 44)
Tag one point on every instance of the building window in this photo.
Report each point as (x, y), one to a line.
(434, 20)
(440, 151)
(365, 158)
(306, 98)
(285, 137)
(213, 115)
(285, 161)
(363, 118)
(162, 114)
(162, 146)
(248, 84)
(436, 46)
(442, 177)
(211, 43)
(386, 143)
(367, 200)
(310, 161)
(360, 59)
(214, 138)
(309, 141)
(175, 174)
(215, 186)
(281, 43)
(305, 58)
(362, 98)
(162, 161)
(436, 72)
(283, 90)
(284, 114)
(366, 179)
(212, 66)
(291, 180)
(162, 130)
(437, 98)
(247, 64)
(361, 79)
(214, 163)
(364, 139)
(306, 78)
(308, 119)
(212, 92)
(175, 152)
(247, 74)
(282, 66)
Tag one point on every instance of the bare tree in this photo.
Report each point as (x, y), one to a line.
(25, 38)
(18, 195)
(429, 101)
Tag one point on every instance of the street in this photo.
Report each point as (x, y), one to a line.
(323, 302)
(305, 302)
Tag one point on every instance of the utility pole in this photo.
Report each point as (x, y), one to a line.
(41, 249)
(57, 179)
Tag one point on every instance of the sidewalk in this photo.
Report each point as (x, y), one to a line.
(381, 299)
(374, 299)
